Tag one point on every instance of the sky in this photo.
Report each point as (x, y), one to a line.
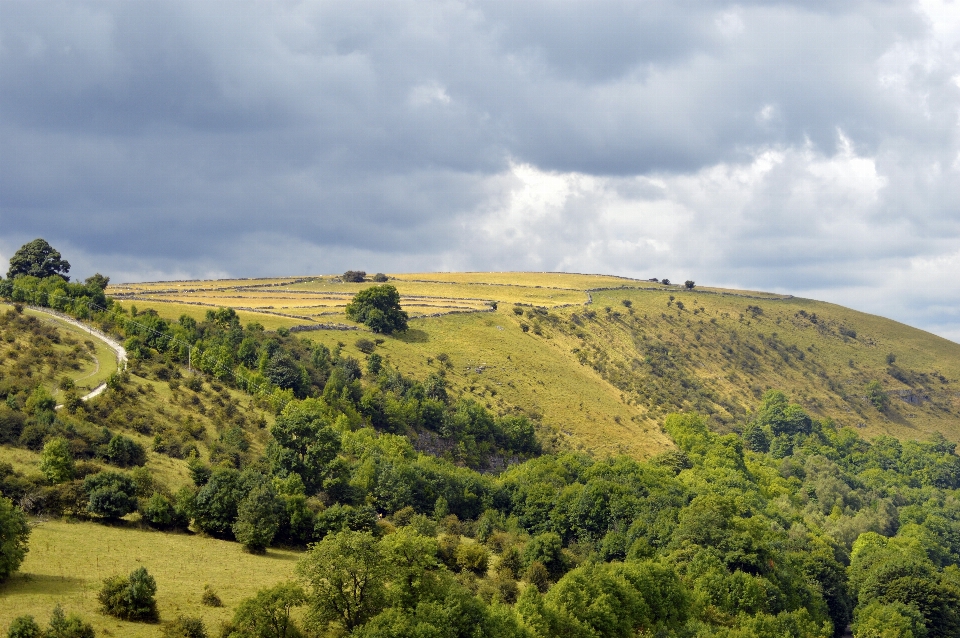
(809, 147)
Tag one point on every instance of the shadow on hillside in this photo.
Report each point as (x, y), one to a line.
(279, 556)
(412, 335)
(27, 583)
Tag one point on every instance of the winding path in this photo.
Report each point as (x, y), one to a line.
(112, 343)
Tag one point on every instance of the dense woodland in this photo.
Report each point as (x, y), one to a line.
(424, 514)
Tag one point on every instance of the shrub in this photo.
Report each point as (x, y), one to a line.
(185, 627)
(379, 278)
(210, 597)
(125, 452)
(689, 284)
(14, 534)
(24, 627)
(72, 626)
(130, 597)
(365, 345)
(161, 512)
(111, 495)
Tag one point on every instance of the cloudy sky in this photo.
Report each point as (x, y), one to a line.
(808, 147)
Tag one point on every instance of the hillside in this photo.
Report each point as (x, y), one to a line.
(601, 374)
(442, 463)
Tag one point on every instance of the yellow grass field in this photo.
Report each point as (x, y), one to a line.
(67, 563)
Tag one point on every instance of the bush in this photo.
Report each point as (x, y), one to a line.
(472, 557)
(354, 276)
(14, 534)
(689, 284)
(210, 597)
(185, 627)
(125, 452)
(379, 278)
(130, 597)
(365, 345)
(24, 627)
(72, 626)
(110, 494)
(161, 512)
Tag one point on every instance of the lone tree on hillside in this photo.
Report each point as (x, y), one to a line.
(379, 308)
(689, 284)
(38, 259)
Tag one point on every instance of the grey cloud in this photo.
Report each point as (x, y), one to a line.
(176, 139)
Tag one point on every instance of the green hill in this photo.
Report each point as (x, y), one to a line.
(601, 374)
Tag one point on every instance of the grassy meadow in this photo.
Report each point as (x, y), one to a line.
(68, 561)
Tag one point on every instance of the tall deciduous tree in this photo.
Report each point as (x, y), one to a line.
(346, 573)
(38, 259)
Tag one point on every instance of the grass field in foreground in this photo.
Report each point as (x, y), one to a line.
(67, 563)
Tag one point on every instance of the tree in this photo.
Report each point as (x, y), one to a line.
(14, 534)
(111, 495)
(130, 597)
(38, 259)
(258, 518)
(97, 281)
(689, 284)
(72, 626)
(346, 573)
(303, 443)
(379, 308)
(267, 615)
(354, 276)
(56, 460)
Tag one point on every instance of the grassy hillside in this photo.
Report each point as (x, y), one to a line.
(67, 563)
(600, 374)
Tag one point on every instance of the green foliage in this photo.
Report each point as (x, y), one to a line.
(379, 308)
(877, 396)
(258, 518)
(111, 495)
(354, 276)
(304, 443)
(63, 626)
(56, 461)
(130, 597)
(267, 615)
(346, 573)
(185, 627)
(38, 259)
(125, 452)
(24, 627)
(14, 536)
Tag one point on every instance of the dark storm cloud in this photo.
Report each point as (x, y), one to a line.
(795, 146)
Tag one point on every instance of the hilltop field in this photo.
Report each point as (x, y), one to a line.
(600, 360)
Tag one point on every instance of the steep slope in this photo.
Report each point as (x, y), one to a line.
(601, 374)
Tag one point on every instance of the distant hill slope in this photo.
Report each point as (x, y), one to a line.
(603, 359)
